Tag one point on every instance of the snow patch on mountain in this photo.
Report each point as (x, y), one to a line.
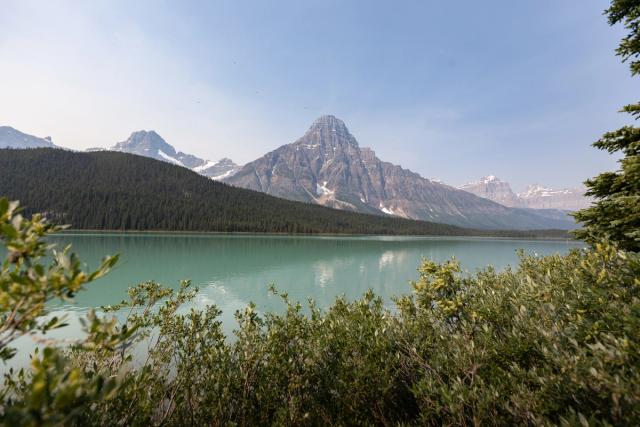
(386, 210)
(207, 165)
(222, 169)
(227, 174)
(322, 190)
(537, 190)
(169, 158)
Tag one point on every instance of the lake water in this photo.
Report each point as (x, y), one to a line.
(232, 270)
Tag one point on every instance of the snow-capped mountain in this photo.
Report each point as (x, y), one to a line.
(534, 197)
(493, 188)
(150, 144)
(539, 197)
(221, 169)
(327, 166)
(13, 138)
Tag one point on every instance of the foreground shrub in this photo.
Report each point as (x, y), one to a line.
(554, 341)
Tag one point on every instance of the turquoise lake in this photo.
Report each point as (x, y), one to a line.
(232, 270)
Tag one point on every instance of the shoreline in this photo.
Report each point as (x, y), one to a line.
(569, 238)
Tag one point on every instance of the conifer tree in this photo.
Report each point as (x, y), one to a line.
(616, 213)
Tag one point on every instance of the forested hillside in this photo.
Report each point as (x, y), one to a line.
(119, 191)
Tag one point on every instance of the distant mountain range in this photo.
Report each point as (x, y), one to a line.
(534, 197)
(326, 166)
(539, 197)
(143, 143)
(12, 138)
(150, 144)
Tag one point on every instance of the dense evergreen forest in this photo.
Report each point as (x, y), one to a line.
(118, 191)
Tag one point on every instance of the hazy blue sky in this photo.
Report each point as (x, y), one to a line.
(454, 90)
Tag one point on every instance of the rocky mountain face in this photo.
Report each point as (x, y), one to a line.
(150, 144)
(493, 188)
(12, 138)
(534, 197)
(326, 166)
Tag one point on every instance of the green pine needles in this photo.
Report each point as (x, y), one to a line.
(616, 213)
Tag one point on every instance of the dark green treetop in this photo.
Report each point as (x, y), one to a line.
(616, 213)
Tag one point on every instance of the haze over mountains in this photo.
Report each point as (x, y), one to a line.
(535, 196)
(326, 166)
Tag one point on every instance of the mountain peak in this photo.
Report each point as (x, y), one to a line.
(144, 135)
(485, 180)
(139, 134)
(13, 138)
(328, 130)
(489, 178)
(331, 123)
(146, 143)
(226, 161)
(493, 188)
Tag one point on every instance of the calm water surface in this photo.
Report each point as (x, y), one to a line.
(232, 270)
